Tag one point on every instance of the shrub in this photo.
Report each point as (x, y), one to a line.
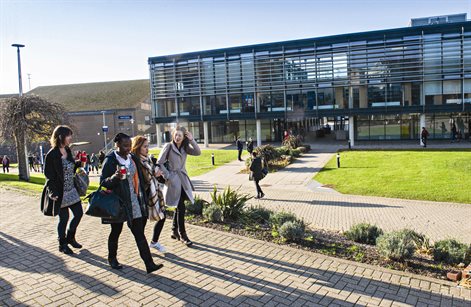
(197, 207)
(364, 233)
(283, 150)
(230, 202)
(248, 161)
(279, 218)
(295, 152)
(292, 230)
(257, 215)
(451, 251)
(422, 243)
(302, 149)
(212, 213)
(291, 142)
(308, 147)
(268, 152)
(396, 245)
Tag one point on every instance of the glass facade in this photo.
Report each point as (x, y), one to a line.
(382, 78)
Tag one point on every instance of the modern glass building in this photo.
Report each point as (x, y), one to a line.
(378, 85)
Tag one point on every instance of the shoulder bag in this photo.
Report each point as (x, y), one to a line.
(161, 178)
(49, 207)
(104, 204)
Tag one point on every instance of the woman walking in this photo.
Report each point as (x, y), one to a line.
(256, 168)
(178, 187)
(59, 170)
(140, 148)
(121, 175)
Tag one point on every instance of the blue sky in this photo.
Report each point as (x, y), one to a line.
(80, 41)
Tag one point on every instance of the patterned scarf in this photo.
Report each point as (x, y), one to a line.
(154, 191)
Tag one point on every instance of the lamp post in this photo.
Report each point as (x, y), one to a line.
(104, 128)
(18, 46)
(132, 126)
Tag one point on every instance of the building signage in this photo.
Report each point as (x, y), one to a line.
(124, 116)
(104, 128)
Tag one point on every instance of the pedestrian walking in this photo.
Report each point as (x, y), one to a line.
(94, 163)
(150, 171)
(101, 157)
(256, 167)
(250, 145)
(121, 175)
(240, 147)
(178, 187)
(6, 164)
(424, 135)
(59, 170)
(453, 132)
(31, 163)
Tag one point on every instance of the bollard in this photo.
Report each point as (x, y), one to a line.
(212, 158)
(349, 144)
(338, 160)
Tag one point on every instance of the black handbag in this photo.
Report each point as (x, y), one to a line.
(49, 207)
(161, 178)
(104, 204)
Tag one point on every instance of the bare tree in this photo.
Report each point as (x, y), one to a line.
(29, 118)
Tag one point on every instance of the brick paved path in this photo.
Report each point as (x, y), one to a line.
(292, 189)
(221, 270)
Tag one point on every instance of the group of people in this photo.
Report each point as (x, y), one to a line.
(137, 188)
(91, 162)
(240, 147)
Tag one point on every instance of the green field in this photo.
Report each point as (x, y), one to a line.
(198, 165)
(425, 175)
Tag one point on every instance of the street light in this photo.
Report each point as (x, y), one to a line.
(18, 46)
(132, 126)
(105, 129)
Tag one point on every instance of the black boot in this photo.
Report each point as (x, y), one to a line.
(144, 251)
(71, 239)
(175, 235)
(185, 240)
(112, 252)
(63, 247)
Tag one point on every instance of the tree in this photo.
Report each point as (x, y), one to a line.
(26, 119)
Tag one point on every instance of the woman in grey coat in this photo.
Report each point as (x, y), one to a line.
(178, 187)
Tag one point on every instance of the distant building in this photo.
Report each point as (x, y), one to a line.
(377, 85)
(124, 106)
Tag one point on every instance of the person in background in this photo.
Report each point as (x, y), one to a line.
(250, 145)
(94, 163)
(121, 175)
(178, 187)
(424, 135)
(59, 170)
(140, 148)
(256, 168)
(6, 164)
(101, 157)
(240, 147)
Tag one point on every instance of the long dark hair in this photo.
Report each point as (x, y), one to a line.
(59, 134)
(185, 141)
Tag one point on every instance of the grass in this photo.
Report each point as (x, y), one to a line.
(198, 165)
(424, 175)
(35, 184)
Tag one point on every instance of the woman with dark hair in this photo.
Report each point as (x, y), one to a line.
(59, 170)
(140, 148)
(121, 175)
(178, 187)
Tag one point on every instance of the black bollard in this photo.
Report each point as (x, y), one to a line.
(212, 158)
(338, 160)
(349, 144)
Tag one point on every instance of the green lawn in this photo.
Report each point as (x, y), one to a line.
(35, 184)
(198, 165)
(426, 175)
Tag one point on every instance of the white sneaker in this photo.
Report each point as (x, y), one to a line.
(158, 247)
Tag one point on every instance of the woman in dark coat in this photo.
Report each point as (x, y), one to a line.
(256, 168)
(59, 170)
(129, 187)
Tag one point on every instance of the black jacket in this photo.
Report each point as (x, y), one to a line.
(121, 188)
(239, 144)
(256, 168)
(54, 172)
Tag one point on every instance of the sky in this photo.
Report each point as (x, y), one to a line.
(82, 41)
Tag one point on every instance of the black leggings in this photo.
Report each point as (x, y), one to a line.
(259, 189)
(179, 215)
(158, 229)
(137, 230)
(77, 211)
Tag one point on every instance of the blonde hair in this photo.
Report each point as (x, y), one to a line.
(137, 142)
(183, 131)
